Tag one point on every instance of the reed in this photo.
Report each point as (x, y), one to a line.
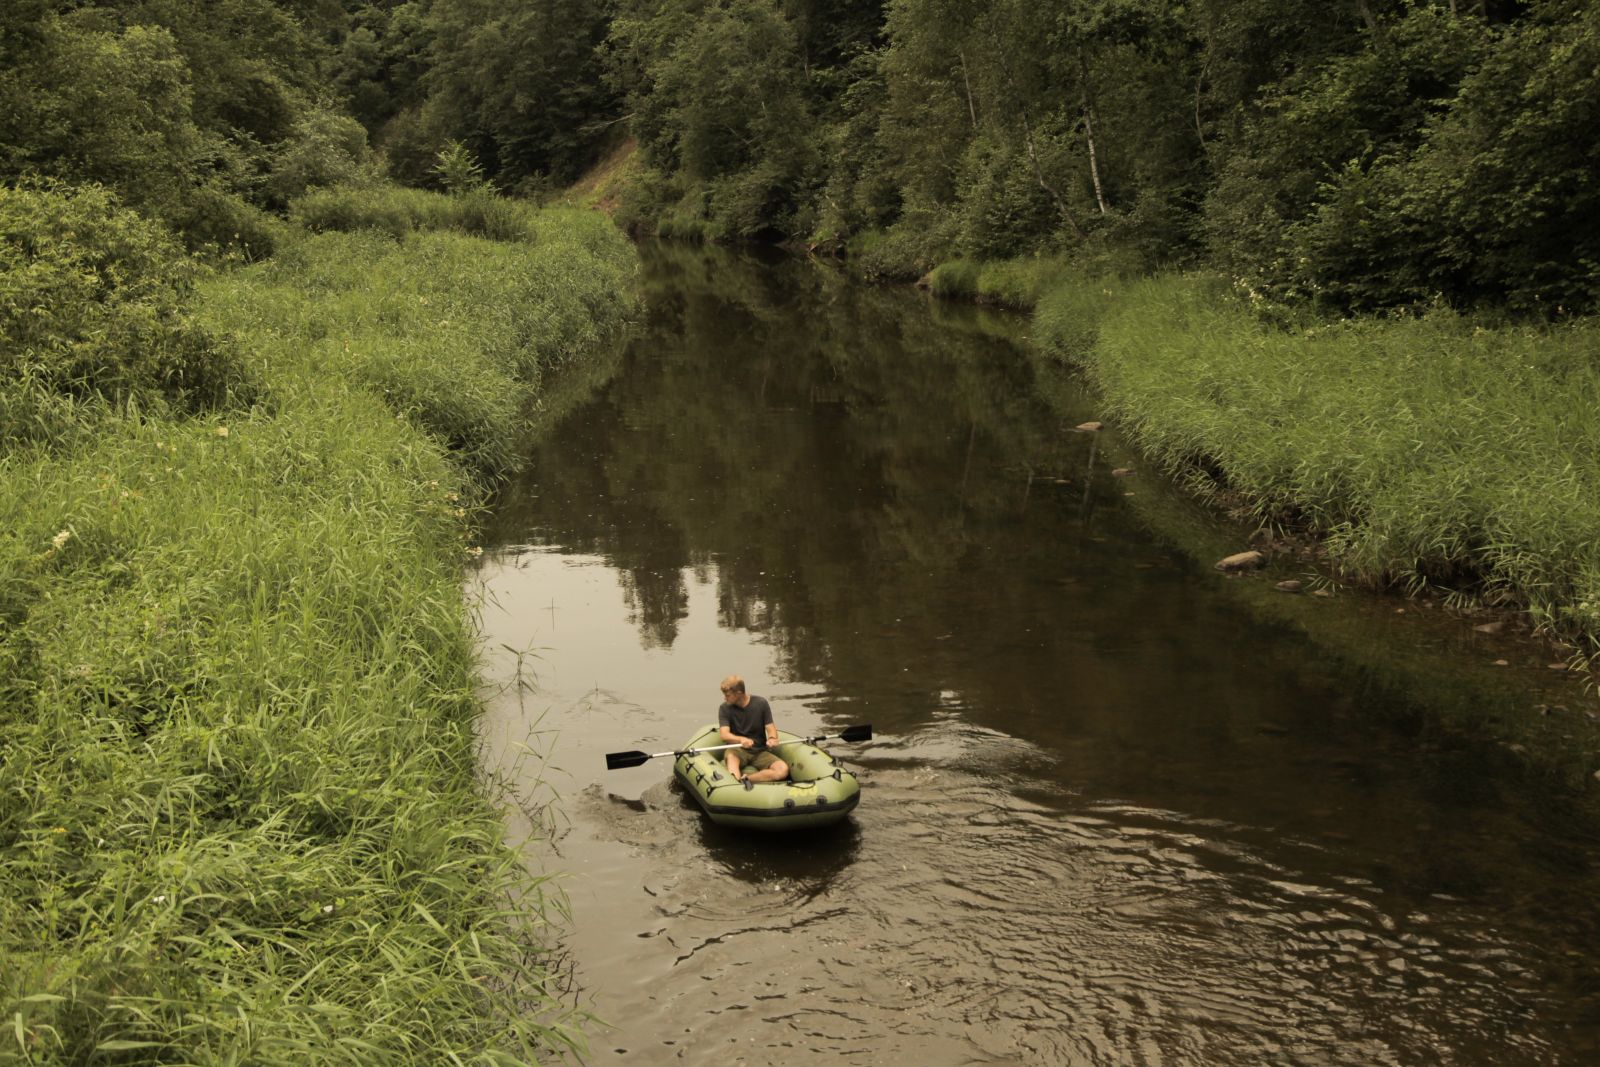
(240, 820)
(456, 333)
(1431, 450)
(1014, 283)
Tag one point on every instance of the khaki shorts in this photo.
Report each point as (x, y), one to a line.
(759, 761)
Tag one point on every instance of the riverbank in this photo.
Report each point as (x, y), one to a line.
(1429, 453)
(242, 819)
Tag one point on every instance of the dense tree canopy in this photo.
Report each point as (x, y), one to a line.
(1360, 154)
(1364, 154)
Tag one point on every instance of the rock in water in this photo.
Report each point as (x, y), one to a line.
(1241, 561)
(1290, 586)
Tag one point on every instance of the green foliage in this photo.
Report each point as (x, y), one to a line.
(1001, 209)
(520, 84)
(1321, 130)
(399, 212)
(1358, 157)
(242, 819)
(256, 66)
(192, 113)
(1015, 283)
(323, 148)
(212, 220)
(381, 63)
(95, 105)
(1430, 450)
(904, 251)
(719, 97)
(455, 332)
(93, 306)
(457, 168)
(1498, 206)
(1353, 157)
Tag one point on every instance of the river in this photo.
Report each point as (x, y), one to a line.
(1119, 808)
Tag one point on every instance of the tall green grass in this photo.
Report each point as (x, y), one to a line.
(401, 212)
(457, 333)
(1428, 450)
(239, 815)
(1014, 283)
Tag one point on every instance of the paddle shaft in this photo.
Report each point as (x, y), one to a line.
(719, 748)
(617, 760)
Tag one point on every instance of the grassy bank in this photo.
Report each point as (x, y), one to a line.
(1426, 450)
(239, 817)
(1013, 283)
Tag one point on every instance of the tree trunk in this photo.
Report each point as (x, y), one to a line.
(972, 107)
(1088, 130)
(1038, 173)
(1094, 163)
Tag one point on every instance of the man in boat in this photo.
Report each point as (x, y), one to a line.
(746, 721)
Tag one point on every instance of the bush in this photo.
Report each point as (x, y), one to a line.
(906, 250)
(213, 221)
(1003, 211)
(324, 148)
(93, 305)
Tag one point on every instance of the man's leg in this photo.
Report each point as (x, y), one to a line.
(733, 763)
(774, 771)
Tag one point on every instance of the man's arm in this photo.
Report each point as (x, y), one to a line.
(731, 738)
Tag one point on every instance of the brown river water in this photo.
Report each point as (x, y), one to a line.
(1119, 808)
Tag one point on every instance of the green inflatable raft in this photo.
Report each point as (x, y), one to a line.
(818, 791)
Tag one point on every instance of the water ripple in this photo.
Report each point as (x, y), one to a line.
(1002, 930)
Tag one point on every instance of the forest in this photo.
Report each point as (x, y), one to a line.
(1361, 155)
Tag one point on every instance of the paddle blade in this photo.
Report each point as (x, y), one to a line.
(856, 733)
(617, 760)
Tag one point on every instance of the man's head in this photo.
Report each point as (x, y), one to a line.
(733, 690)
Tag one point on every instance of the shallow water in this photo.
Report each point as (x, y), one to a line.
(1113, 813)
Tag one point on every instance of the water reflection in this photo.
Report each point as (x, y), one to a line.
(1111, 814)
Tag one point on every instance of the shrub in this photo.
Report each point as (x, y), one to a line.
(324, 148)
(212, 220)
(92, 304)
(906, 250)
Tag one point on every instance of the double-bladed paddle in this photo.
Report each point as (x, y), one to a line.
(617, 760)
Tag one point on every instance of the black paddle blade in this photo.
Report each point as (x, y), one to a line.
(856, 733)
(616, 760)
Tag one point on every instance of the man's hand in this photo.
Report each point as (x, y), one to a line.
(746, 742)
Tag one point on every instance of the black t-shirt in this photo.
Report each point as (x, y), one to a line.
(749, 721)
